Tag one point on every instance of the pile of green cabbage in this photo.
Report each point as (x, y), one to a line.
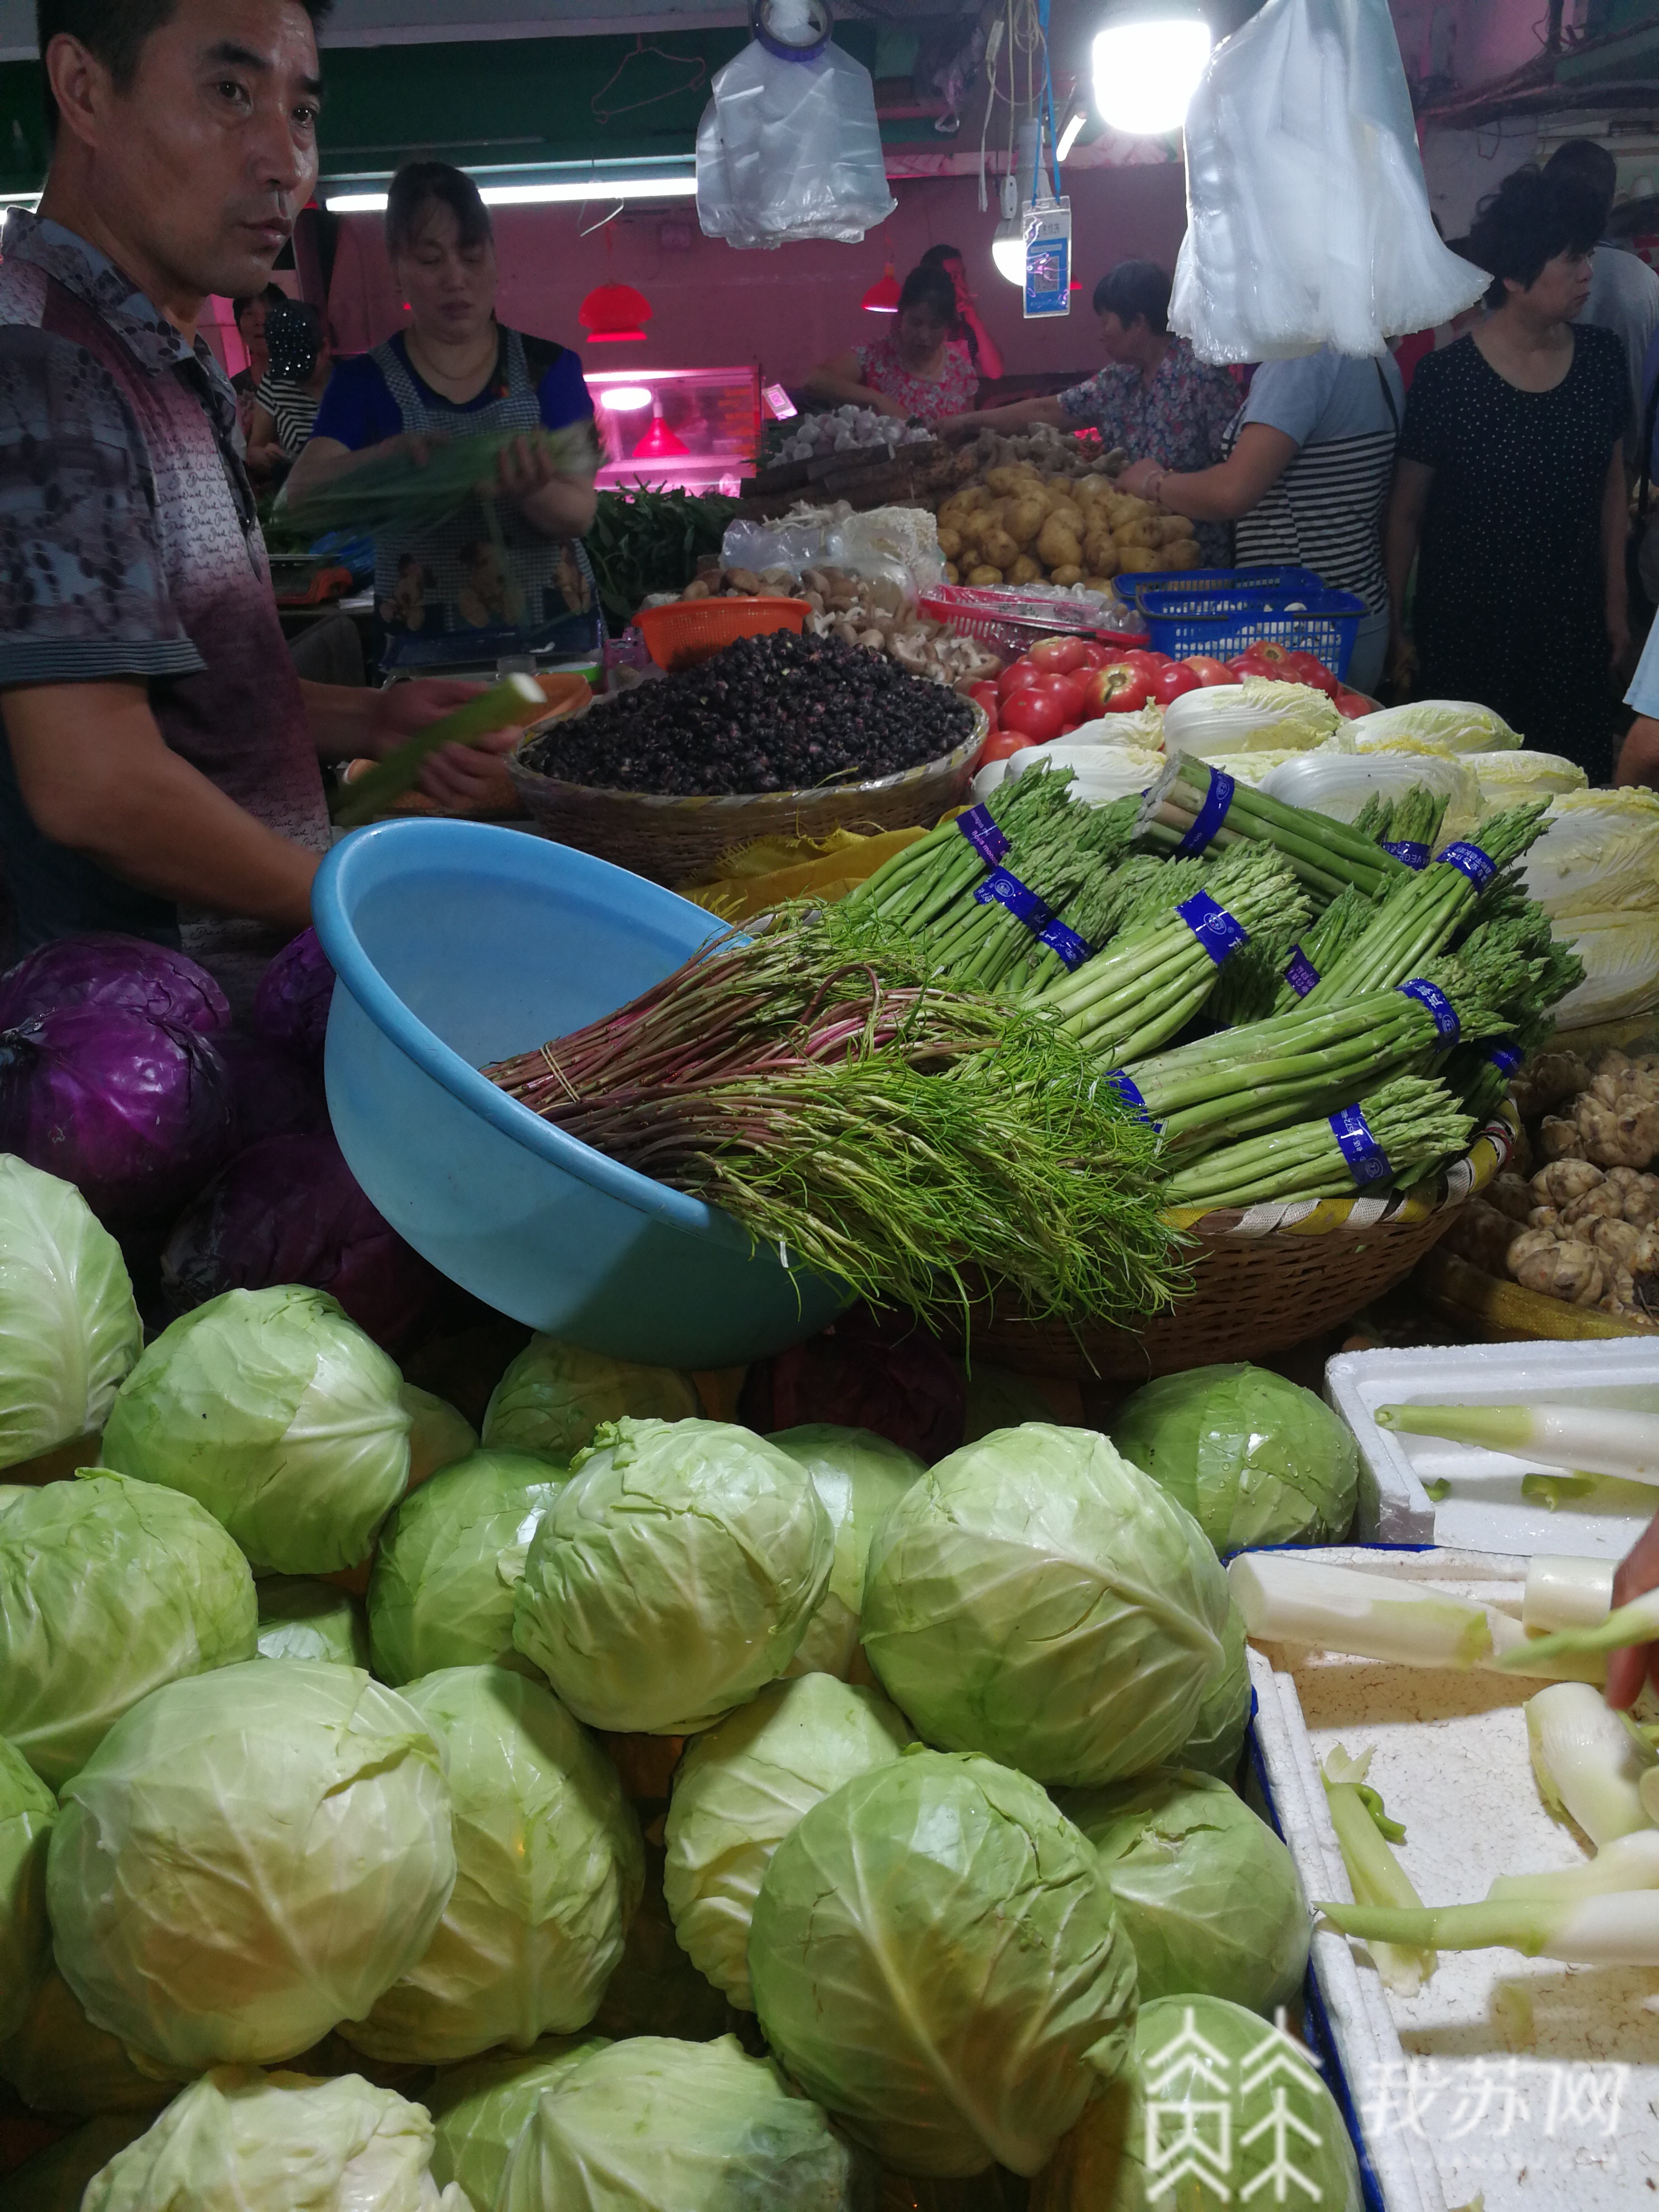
(911, 1773)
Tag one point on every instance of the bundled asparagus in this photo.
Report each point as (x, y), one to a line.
(1343, 920)
(1406, 826)
(1193, 807)
(1155, 977)
(1389, 1137)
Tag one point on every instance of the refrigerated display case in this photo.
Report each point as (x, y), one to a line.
(696, 429)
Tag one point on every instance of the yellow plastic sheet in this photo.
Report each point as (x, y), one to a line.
(753, 877)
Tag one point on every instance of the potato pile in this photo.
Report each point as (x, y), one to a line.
(1019, 527)
(1585, 1227)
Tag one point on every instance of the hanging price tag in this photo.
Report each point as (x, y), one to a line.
(1048, 258)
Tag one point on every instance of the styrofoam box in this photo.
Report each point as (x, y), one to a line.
(1485, 1510)
(1529, 2082)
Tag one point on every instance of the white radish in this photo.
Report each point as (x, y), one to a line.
(1590, 1761)
(1628, 1861)
(1582, 1439)
(1566, 1593)
(1619, 1929)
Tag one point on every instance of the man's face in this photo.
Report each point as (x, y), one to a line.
(208, 156)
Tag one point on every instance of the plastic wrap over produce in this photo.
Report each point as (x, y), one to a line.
(789, 146)
(1308, 218)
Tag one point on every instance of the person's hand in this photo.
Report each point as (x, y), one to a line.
(1135, 479)
(1402, 660)
(1638, 1571)
(455, 775)
(527, 466)
(953, 426)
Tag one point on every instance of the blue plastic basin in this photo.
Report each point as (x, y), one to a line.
(457, 945)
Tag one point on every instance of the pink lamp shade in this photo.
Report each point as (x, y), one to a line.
(613, 312)
(659, 443)
(883, 297)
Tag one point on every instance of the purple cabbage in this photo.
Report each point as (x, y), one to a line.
(101, 968)
(136, 1113)
(290, 1210)
(291, 1005)
(868, 1370)
(274, 1092)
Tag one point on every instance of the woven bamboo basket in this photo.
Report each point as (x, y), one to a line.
(669, 839)
(1264, 1278)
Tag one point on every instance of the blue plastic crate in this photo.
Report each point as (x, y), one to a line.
(1211, 581)
(1324, 623)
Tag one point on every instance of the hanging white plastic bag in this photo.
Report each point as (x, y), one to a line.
(789, 146)
(1308, 218)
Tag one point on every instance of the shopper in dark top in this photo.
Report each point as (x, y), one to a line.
(983, 349)
(1509, 492)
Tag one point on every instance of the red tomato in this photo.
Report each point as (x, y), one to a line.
(999, 746)
(1058, 655)
(1119, 688)
(1035, 714)
(1351, 705)
(1170, 683)
(1264, 648)
(1310, 669)
(1208, 671)
(1094, 656)
(1255, 664)
(1017, 673)
(985, 695)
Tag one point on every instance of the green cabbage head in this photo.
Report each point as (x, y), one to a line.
(1185, 2045)
(935, 1957)
(299, 1619)
(653, 2126)
(555, 1398)
(673, 1576)
(1036, 1599)
(1218, 1732)
(740, 1790)
(28, 1810)
(280, 1416)
(68, 1327)
(241, 2140)
(1206, 1891)
(479, 2110)
(860, 1476)
(108, 1588)
(1254, 1459)
(549, 1867)
(439, 1434)
(449, 1561)
(250, 1857)
(58, 2062)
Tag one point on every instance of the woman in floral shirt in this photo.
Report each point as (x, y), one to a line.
(1155, 398)
(919, 370)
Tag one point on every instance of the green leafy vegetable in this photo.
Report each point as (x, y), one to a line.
(68, 1328)
(250, 1857)
(673, 1576)
(479, 2110)
(1205, 1890)
(556, 1397)
(1217, 1735)
(1255, 1459)
(645, 541)
(28, 1810)
(303, 1620)
(550, 1870)
(740, 1790)
(1036, 1598)
(859, 1476)
(448, 1561)
(108, 1588)
(280, 1416)
(936, 1957)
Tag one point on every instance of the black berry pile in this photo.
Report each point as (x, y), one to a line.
(780, 713)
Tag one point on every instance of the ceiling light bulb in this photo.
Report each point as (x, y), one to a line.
(1147, 63)
(624, 398)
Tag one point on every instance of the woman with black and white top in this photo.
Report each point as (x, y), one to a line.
(296, 376)
(1305, 482)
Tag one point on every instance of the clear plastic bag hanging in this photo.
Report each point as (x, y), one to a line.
(1308, 217)
(789, 146)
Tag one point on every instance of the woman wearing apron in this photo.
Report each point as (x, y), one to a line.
(478, 593)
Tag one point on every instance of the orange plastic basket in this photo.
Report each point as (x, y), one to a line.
(690, 630)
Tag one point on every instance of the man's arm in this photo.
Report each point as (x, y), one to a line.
(1258, 458)
(1615, 529)
(1638, 756)
(1402, 529)
(97, 777)
(835, 383)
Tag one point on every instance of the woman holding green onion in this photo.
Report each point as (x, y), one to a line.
(455, 372)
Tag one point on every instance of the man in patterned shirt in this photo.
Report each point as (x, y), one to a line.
(161, 772)
(1154, 398)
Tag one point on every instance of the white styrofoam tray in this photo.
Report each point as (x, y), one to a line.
(1532, 2083)
(1485, 1510)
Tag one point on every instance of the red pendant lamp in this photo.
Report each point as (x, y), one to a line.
(883, 297)
(659, 443)
(612, 312)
